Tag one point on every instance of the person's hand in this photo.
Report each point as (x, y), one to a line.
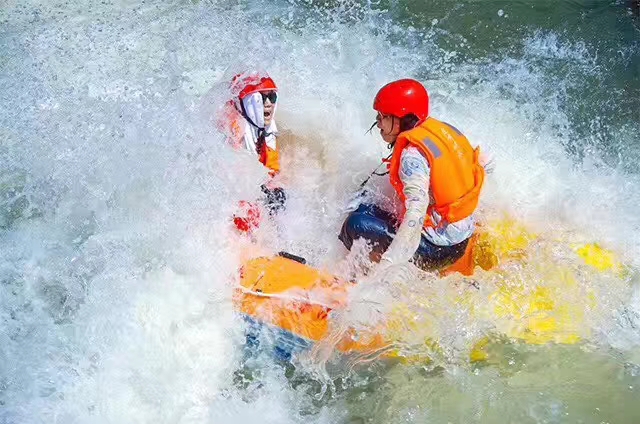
(247, 218)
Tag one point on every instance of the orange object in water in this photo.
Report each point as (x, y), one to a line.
(296, 298)
(271, 159)
(295, 302)
(466, 264)
(248, 83)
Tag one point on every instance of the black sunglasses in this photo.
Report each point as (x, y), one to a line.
(271, 95)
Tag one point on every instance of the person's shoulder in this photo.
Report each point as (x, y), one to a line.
(412, 162)
(412, 154)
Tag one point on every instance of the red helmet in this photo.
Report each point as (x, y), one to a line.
(244, 84)
(401, 98)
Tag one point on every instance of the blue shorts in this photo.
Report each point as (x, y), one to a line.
(378, 226)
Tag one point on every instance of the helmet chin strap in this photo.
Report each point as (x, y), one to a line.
(244, 114)
(262, 133)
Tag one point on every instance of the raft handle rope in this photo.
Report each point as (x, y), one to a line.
(297, 299)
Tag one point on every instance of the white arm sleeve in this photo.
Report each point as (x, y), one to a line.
(415, 175)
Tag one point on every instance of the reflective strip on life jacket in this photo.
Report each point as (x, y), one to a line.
(435, 151)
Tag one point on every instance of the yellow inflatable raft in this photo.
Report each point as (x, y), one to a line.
(535, 304)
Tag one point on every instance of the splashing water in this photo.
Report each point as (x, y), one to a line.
(118, 261)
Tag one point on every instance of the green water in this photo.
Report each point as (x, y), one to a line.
(530, 386)
(587, 52)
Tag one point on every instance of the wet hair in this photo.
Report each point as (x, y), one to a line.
(408, 121)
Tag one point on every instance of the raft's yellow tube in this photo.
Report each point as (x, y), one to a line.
(298, 298)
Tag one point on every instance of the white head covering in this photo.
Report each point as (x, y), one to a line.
(254, 110)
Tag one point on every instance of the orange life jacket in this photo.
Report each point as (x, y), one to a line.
(271, 159)
(456, 174)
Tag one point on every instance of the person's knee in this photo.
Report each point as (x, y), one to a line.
(349, 232)
(363, 225)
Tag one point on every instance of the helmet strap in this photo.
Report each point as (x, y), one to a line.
(261, 130)
(243, 112)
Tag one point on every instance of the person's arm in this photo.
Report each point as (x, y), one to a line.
(414, 174)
